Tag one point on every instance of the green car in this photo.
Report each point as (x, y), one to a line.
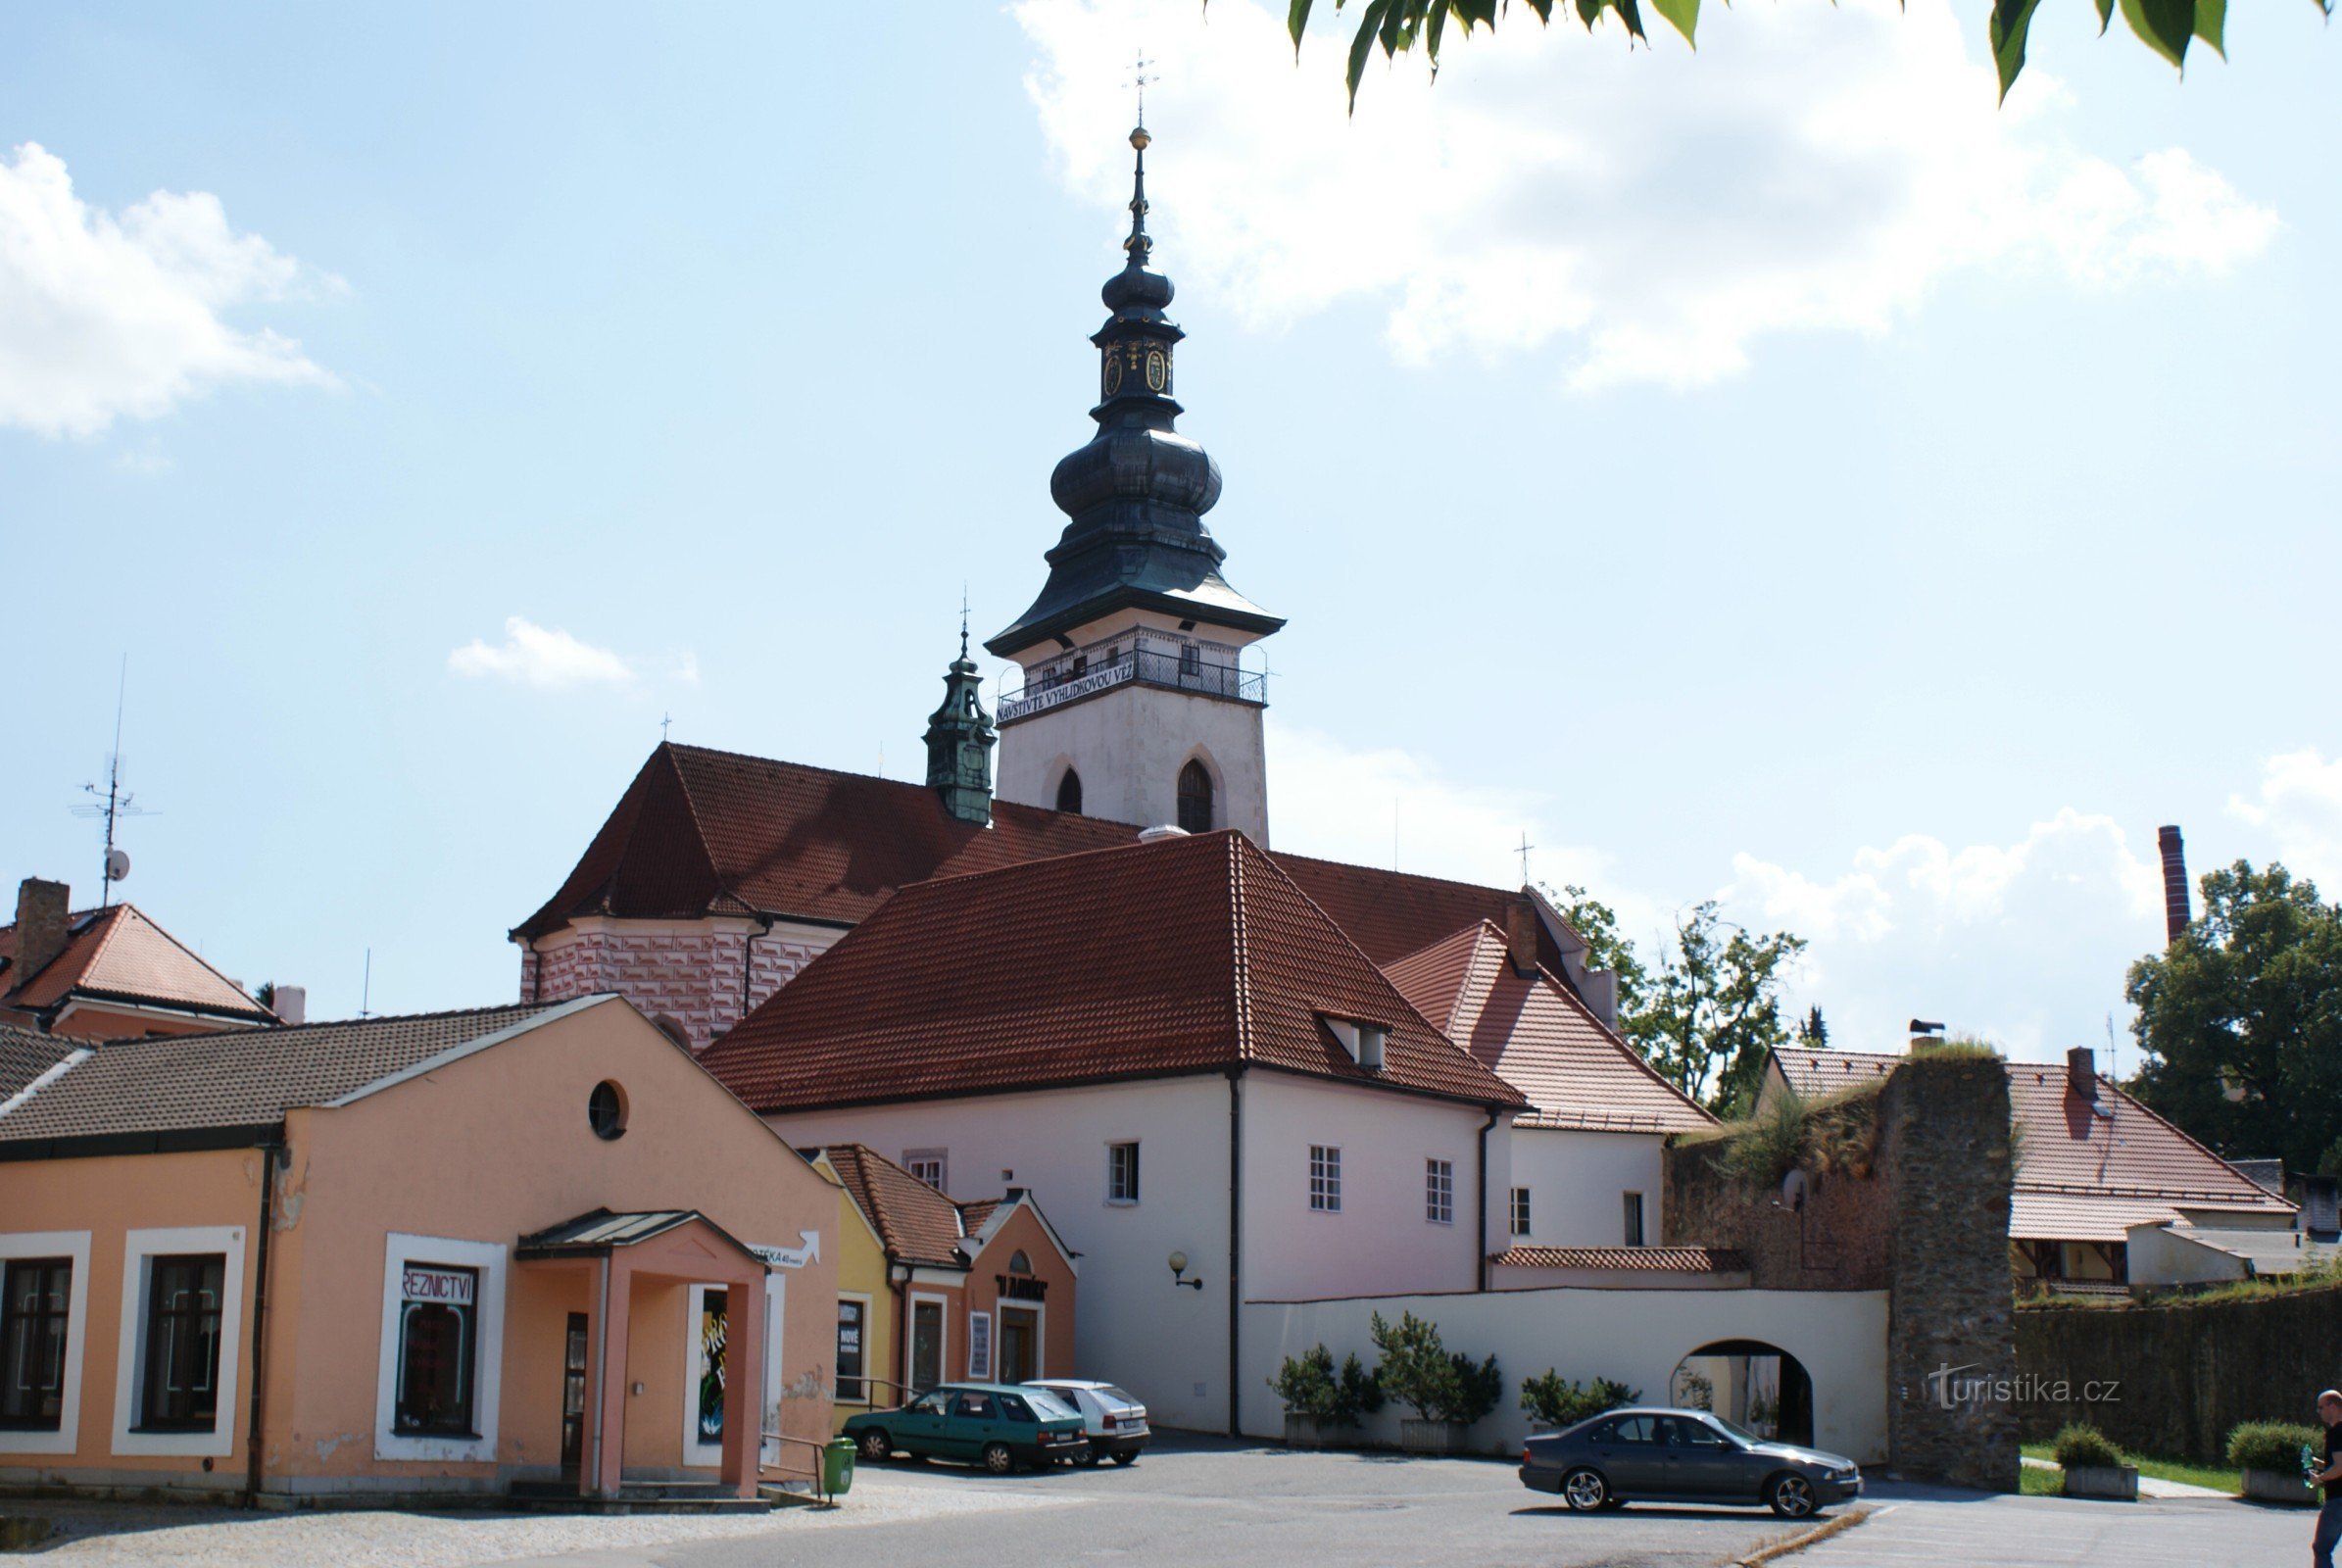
(990, 1424)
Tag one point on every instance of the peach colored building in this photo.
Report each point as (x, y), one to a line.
(456, 1252)
(109, 974)
(930, 1290)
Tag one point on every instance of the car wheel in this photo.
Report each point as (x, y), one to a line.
(1091, 1460)
(877, 1446)
(1585, 1490)
(998, 1459)
(1127, 1456)
(1790, 1496)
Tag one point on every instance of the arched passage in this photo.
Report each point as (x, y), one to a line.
(1749, 1383)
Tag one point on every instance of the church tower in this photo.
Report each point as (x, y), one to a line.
(1135, 706)
(959, 740)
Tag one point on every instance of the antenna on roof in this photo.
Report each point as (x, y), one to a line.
(664, 719)
(366, 988)
(1526, 846)
(112, 803)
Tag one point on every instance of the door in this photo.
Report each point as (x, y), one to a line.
(918, 1427)
(1709, 1464)
(926, 1343)
(1633, 1458)
(976, 1420)
(573, 1387)
(1020, 1344)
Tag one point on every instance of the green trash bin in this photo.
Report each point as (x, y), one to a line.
(837, 1466)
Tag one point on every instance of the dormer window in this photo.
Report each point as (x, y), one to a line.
(1363, 1041)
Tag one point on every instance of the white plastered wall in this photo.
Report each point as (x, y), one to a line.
(1575, 1181)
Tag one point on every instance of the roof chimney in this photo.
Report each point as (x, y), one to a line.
(1520, 935)
(1925, 1035)
(2082, 1071)
(2175, 884)
(42, 916)
(290, 1003)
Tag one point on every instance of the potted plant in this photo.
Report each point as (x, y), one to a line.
(2093, 1465)
(1319, 1397)
(1447, 1390)
(1554, 1402)
(2276, 1458)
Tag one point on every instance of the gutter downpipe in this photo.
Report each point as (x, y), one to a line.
(1235, 1235)
(902, 1289)
(1480, 1266)
(253, 1451)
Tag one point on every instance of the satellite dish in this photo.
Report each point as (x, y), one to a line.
(1793, 1191)
(118, 864)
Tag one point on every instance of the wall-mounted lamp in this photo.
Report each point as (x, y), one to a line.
(1179, 1269)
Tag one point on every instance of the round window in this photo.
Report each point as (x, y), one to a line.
(606, 1109)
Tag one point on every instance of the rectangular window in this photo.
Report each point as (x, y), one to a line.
(1439, 1192)
(1325, 1178)
(1634, 1219)
(34, 1296)
(927, 1165)
(182, 1344)
(438, 1316)
(979, 1346)
(1122, 1173)
(1520, 1211)
(853, 1319)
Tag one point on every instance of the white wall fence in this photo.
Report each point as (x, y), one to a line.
(1634, 1337)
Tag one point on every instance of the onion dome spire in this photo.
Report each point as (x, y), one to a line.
(1138, 491)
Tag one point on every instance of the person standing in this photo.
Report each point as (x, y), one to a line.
(2329, 1476)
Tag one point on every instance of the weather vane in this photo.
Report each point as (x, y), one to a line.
(1138, 79)
(1523, 852)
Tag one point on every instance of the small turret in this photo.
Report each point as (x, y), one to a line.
(960, 739)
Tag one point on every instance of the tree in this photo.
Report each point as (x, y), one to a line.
(2167, 27)
(1606, 946)
(1715, 1008)
(2240, 1020)
(1814, 1032)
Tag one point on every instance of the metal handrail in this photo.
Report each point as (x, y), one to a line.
(820, 1488)
(1154, 667)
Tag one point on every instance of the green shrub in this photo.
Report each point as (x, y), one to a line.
(2273, 1445)
(1558, 1402)
(2082, 1445)
(1310, 1386)
(1418, 1370)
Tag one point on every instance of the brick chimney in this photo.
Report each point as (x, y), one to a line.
(1520, 935)
(2082, 1071)
(42, 915)
(2175, 884)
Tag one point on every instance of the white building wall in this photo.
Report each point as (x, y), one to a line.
(1379, 1243)
(1129, 744)
(1634, 1336)
(1576, 1183)
(1166, 1345)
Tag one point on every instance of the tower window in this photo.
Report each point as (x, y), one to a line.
(1069, 793)
(1191, 661)
(1195, 798)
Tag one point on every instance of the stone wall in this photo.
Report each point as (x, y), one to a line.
(1839, 1241)
(2172, 1380)
(674, 971)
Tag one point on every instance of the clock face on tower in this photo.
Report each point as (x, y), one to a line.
(1113, 372)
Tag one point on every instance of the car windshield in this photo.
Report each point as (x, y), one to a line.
(1052, 1407)
(1112, 1395)
(1740, 1432)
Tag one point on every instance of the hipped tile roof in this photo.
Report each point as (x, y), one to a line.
(26, 1056)
(2080, 1175)
(1187, 954)
(117, 953)
(1640, 1259)
(1533, 1032)
(701, 832)
(241, 1078)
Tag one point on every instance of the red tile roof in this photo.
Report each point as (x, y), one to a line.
(117, 955)
(701, 832)
(1643, 1259)
(1187, 954)
(2080, 1175)
(1533, 1032)
(1390, 914)
(915, 1223)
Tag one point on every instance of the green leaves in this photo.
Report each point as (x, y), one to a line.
(1396, 26)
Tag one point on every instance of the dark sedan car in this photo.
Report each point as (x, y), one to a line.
(981, 1423)
(1683, 1456)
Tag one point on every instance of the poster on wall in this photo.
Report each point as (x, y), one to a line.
(979, 1346)
(711, 1359)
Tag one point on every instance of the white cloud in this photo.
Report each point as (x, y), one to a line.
(2026, 944)
(1646, 215)
(107, 316)
(535, 656)
(2300, 808)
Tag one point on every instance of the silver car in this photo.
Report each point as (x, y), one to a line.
(1647, 1456)
(1116, 1421)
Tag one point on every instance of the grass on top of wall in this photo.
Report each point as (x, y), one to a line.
(1834, 1134)
(2217, 1478)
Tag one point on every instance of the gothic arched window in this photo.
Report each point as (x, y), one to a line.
(1195, 798)
(1069, 793)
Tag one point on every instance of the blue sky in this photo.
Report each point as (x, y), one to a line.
(1769, 472)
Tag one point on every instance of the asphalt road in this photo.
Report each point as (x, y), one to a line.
(1218, 1505)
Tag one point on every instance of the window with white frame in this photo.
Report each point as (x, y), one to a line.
(1439, 1192)
(1520, 1206)
(1325, 1178)
(927, 1165)
(179, 1390)
(854, 1322)
(438, 1350)
(36, 1300)
(1122, 1173)
(1634, 1219)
